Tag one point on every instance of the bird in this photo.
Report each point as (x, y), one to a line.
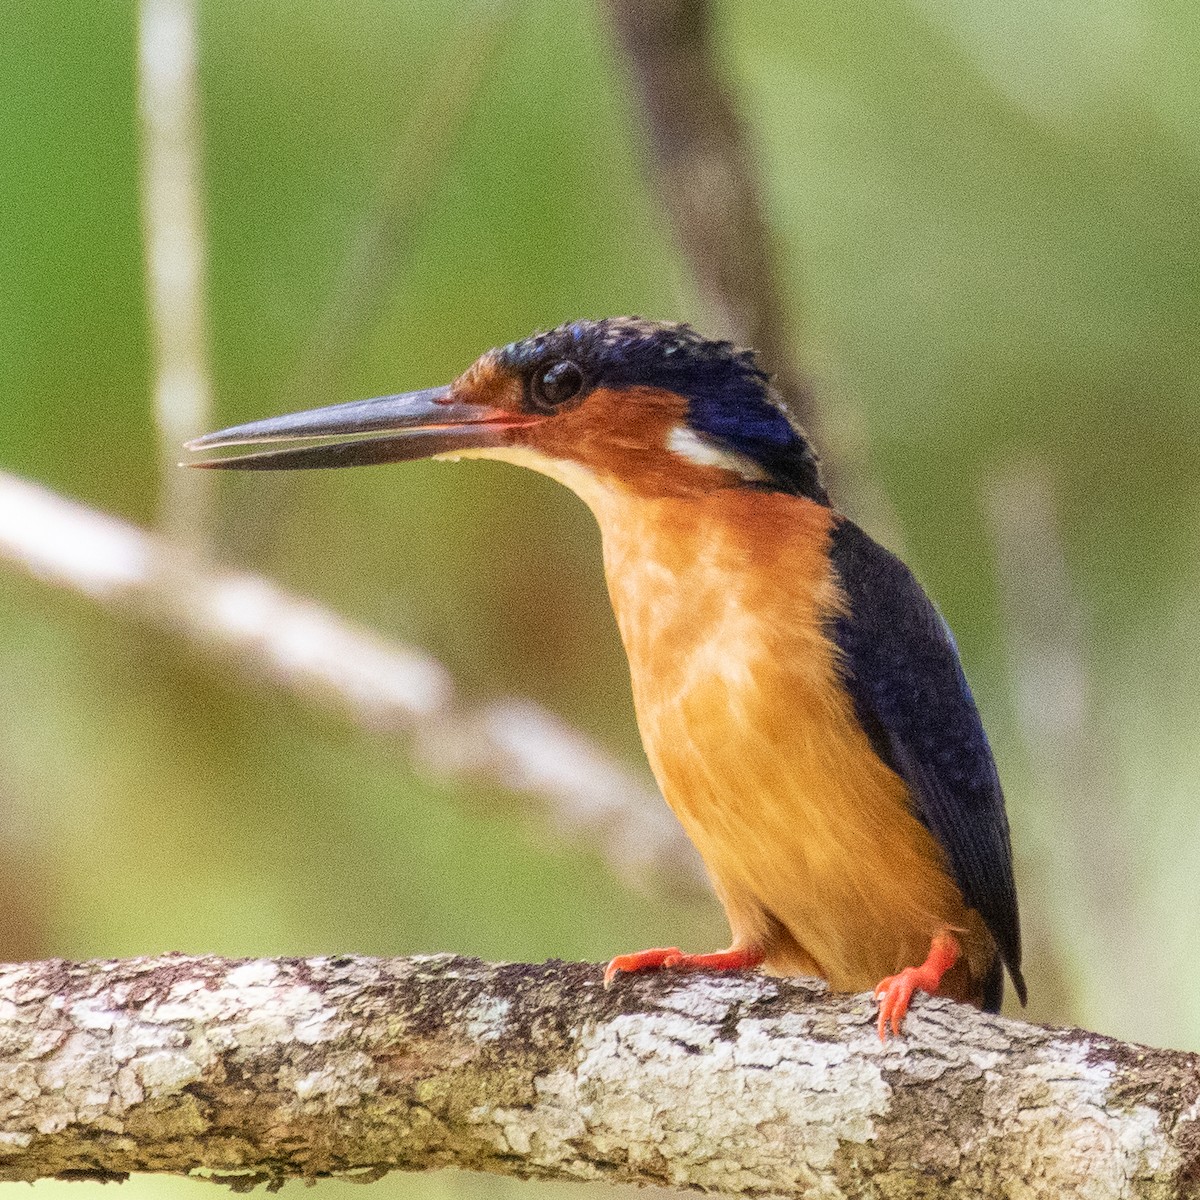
(800, 699)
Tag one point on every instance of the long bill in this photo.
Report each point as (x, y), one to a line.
(413, 425)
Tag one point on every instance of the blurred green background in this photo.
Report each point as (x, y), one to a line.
(987, 219)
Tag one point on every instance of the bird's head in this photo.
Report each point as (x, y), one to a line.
(615, 404)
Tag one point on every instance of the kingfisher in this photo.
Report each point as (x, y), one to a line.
(800, 699)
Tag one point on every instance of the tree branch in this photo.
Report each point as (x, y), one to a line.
(258, 628)
(175, 250)
(703, 163)
(705, 177)
(266, 1070)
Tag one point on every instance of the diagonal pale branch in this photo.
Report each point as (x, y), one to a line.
(267, 1070)
(380, 686)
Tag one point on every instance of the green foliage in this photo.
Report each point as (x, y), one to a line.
(987, 216)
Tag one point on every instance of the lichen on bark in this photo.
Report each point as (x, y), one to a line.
(265, 1070)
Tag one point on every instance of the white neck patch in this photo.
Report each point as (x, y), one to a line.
(707, 452)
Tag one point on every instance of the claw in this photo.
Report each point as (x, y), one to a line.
(643, 960)
(895, 992)
(734, 959)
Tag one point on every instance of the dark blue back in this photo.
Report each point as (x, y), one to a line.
(902, 669)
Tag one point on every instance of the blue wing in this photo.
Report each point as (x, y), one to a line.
(902, 669)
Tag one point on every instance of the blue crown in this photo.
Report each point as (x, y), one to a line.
(729, 396)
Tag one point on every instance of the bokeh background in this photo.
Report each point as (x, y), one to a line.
(986, 220)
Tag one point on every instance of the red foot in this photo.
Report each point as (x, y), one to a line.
(894, 992)
(672, 957)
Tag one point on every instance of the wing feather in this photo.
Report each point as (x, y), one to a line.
(902, 669)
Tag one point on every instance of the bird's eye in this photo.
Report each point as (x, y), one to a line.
(554, 385)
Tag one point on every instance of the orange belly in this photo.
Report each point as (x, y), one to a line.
(723, 602)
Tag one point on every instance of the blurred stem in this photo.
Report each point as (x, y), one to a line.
(175, 254)
(381, 687)
(24, 892)
(706, 179)
(704, 166)
(1072, 769)
(425, 144)
(377, 253)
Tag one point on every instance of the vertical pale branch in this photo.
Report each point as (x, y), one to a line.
(1046, 643)
(173, 230)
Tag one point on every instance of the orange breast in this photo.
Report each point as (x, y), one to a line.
(723, 600)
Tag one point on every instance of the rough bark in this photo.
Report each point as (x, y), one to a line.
(265, 1070)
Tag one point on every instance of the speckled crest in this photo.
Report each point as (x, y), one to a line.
(729, 395)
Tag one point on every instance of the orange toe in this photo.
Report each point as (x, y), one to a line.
(674, 959)
(643, 960)
(895, 992)
(721, 960)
